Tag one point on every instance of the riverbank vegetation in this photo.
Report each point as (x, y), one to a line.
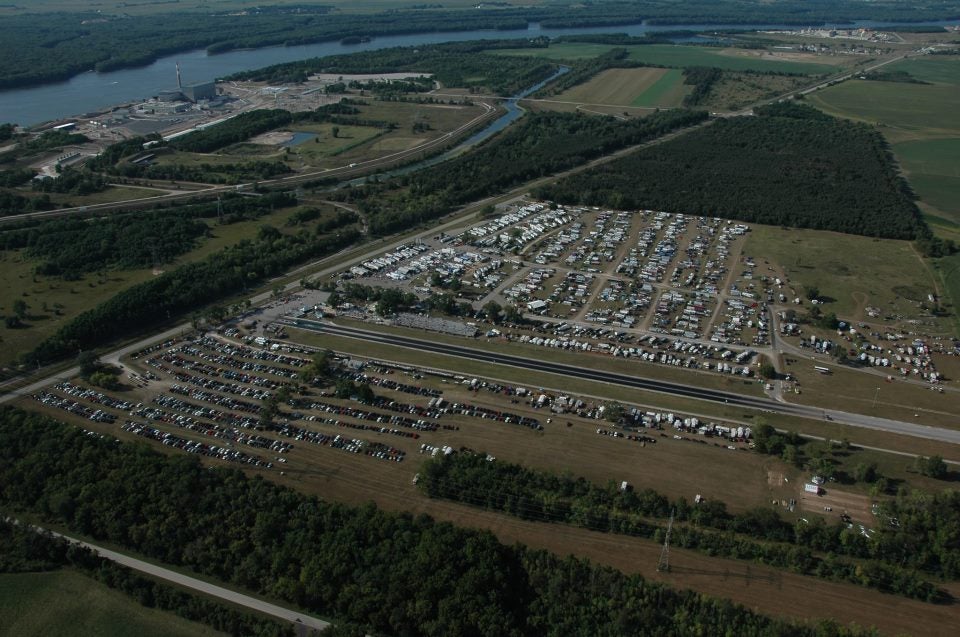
(55, 45)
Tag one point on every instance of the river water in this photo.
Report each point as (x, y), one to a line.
(94, 91)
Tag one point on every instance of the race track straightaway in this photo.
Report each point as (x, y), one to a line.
(638, 382)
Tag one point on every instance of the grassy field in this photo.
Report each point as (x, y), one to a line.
(904, 111)
(933, 169)
(850, 271)
(352, 143)
(17, 280)
(682, 56)
(68, 603)
(942, 69)
(920, 121)
(668, 90)
(736, 90)
(648, 87)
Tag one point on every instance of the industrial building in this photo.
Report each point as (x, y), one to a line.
(190, 93)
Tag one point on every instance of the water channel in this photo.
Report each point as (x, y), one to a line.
(92, 91)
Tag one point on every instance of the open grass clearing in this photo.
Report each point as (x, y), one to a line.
(678, 55)
(942, 69)
(736, 90)
(68, 603)
(933, 170)
(668, 90)
(948, 272)
(903, 111)
(629, 87)
(850, 271)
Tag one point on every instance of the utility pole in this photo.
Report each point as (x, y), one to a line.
(663, 565)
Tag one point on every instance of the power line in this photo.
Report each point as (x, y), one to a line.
(663, 565)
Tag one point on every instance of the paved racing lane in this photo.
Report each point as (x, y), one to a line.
(638, 382)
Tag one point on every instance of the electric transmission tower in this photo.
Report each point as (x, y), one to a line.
(663, 565)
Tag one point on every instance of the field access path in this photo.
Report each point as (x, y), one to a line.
(192, 583)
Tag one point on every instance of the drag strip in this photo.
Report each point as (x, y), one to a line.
(637, 382)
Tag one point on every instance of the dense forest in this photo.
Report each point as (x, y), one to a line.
(391, 573)
(460, 64)
(539, 144)
(24, 550)
(54, 46)
(69, 247)
(185, 288)
(790, 165)
(891, 557)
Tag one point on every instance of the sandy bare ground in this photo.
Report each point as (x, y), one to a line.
(273, 138)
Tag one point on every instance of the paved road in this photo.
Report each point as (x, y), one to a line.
(286, 614)
(638, 382)
(357, 169)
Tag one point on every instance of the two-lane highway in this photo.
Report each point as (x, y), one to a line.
(636, 382)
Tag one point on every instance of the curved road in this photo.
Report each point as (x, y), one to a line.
(638, 382)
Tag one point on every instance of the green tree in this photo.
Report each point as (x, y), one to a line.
(88, 362)
(512, 315)
(933, 467)
(865, 472)
(20, 308)
(365, 393)
(104, 379)
(492, 310)
(767, 370)
(613, 412)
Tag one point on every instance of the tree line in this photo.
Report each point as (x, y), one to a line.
(24, 550)
(883, 562)
(791, 165)
(231, 270)
(540, 144)
(453, 64)
(390, 573)
(52, 46)
(69, 247)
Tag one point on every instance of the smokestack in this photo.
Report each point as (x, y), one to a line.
(179, 84)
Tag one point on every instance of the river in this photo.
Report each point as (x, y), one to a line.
(92, 91)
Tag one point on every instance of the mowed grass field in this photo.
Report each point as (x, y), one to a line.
(922, 124)
(648, 87)
(853, 272)
(932, 167)
(679, 55)
(69, 603)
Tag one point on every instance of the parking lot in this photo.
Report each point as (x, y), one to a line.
(205, 396)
